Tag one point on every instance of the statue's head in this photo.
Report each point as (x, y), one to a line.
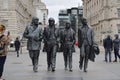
(35, 21)
(51, 21)
(84, 21)
(67, 25)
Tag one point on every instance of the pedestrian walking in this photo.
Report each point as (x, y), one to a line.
(116, 46)
(51, 35)
(68, 41)
(108, 46)
(85, 42)
(4, 42)
(17, 46)
(33, 33)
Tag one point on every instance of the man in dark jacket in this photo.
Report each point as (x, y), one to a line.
(17, 46)
(85, 42)
(116, 46)
(51, 34)
(68, 40)
(107, 43)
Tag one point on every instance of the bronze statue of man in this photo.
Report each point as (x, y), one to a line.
(51, 35)
(33, 33)
(85, 42)
(67, 40)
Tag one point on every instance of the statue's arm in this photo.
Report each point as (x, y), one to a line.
(74, 37)
(26, 33)
(44, 35)
(92, 33)
(41, 34)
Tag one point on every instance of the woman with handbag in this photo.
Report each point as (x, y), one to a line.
(4, 41)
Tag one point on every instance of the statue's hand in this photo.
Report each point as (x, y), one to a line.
(36, 38)
(30, 36)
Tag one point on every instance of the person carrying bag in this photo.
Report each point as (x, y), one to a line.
(4, 42)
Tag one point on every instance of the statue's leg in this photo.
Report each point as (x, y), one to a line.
(49, 58)
(82, 55)
(81, 62)
(85, 63)
(36, 59)
(87, 51)
(65, 58)
(70, 57)
(31, 56)
(53, 57)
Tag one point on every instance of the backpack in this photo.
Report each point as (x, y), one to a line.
(2, 45)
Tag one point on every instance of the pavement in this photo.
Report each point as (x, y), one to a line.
(20, 68)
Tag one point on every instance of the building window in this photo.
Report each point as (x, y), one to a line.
(5, 4)
(118, 26)
(74, 11)
(118, 11)
(44, 19)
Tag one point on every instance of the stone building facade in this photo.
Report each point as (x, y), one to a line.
(16, 14)
(103, 16)
(41, 12)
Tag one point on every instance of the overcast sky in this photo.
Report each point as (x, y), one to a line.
(54, 6)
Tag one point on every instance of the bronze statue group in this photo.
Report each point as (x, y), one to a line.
(51, 36)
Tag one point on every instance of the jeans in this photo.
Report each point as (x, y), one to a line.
(2, 62)
(116, 53)
(107, 51)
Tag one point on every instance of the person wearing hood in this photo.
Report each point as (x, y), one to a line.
(107, 43)
(116, 46)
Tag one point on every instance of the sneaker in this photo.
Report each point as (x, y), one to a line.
(53, 69)
(70, 70)
(85, 70)
(105, 61)
(80, 67)
(115, 61)
(17, 55)
(66, 69)
(49, 69)
(36, 70)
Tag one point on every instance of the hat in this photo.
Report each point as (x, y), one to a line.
(95, 49)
